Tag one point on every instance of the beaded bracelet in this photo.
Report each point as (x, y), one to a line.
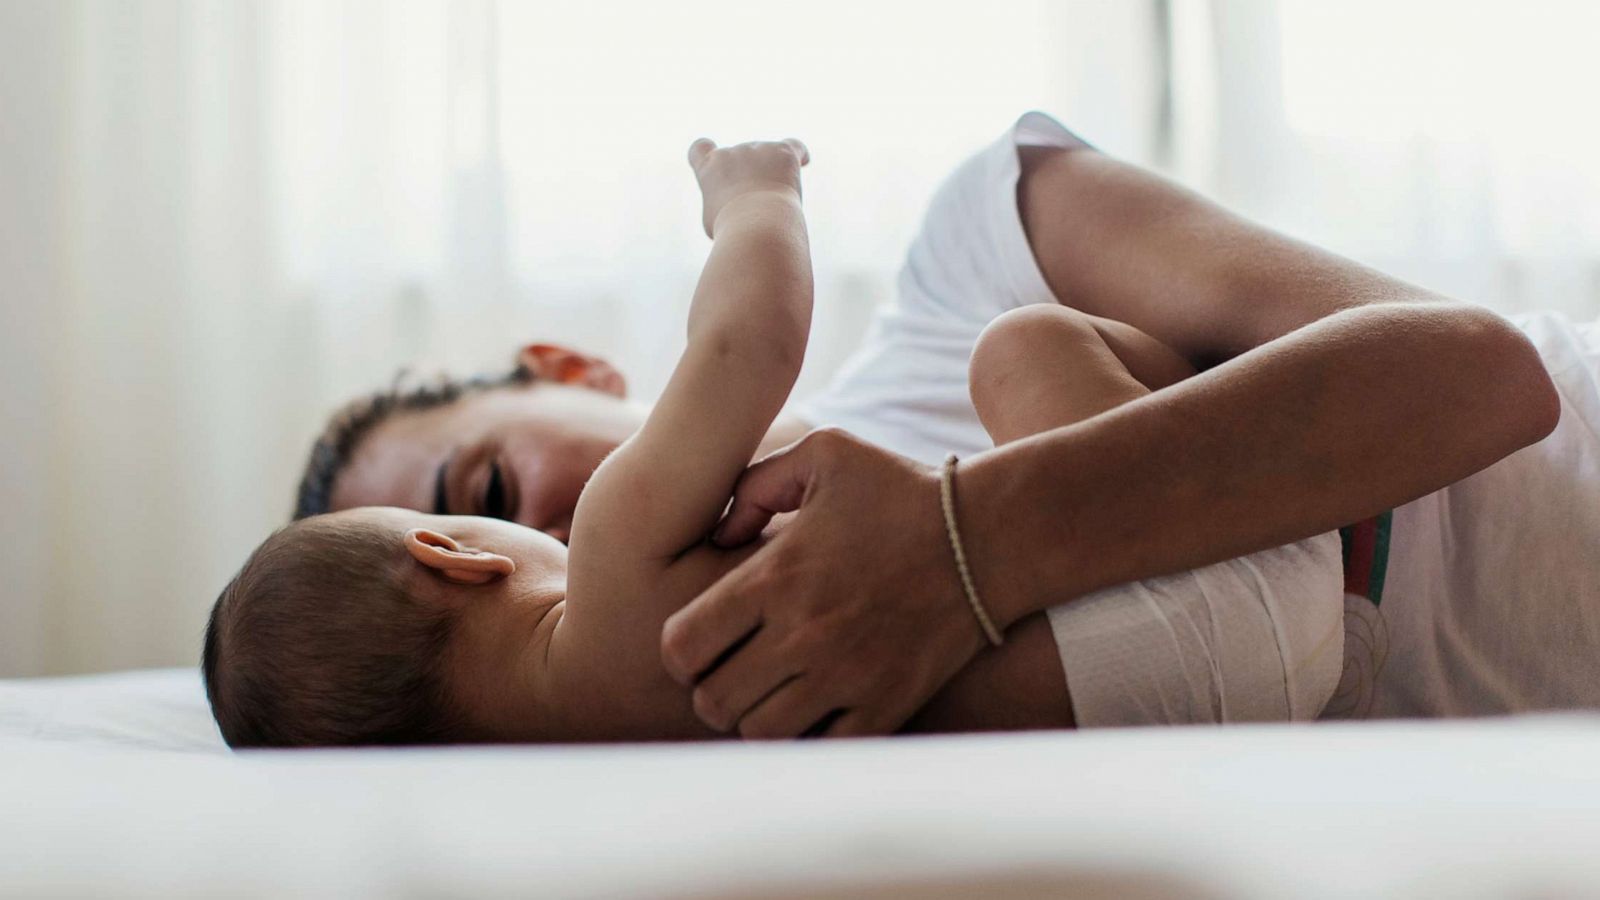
(947, 499)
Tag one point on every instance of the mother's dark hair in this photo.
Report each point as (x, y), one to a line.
(353, 421)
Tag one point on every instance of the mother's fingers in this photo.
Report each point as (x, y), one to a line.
(742, 681)
(856, 723)
(695, 637)
(776, 484)
(790, 711)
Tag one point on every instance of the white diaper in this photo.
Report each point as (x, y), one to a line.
(1258, 638)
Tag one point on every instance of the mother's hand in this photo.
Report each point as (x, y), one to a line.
(849, 620)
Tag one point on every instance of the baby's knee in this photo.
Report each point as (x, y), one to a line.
(1022, 340)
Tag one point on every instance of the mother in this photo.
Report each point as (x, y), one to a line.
(1329, 393)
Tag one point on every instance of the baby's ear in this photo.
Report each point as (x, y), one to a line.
(564, 365)
(455, 563)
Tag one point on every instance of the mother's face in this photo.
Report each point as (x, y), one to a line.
(520, 453)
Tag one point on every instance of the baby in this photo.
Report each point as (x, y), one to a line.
(389, 626)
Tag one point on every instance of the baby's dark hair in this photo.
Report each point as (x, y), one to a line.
(318, 642)
(353, 421)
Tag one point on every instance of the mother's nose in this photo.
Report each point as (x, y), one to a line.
(561, 531)
(548, 503)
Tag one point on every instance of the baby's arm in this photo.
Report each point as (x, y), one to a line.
(663, 490)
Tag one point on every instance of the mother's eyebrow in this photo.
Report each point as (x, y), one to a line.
(441, 504)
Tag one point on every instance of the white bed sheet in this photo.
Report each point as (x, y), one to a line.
(119, 785)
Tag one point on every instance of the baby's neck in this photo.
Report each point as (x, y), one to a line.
(503, 674)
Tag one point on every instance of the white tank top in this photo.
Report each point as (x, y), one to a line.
(1491, 598)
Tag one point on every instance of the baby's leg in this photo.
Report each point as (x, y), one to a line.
(1254, 638)
(1034, 369)
(1043, 367)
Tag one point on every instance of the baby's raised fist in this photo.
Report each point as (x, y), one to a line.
(725, 173)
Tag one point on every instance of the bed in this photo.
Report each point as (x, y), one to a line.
(119, 784)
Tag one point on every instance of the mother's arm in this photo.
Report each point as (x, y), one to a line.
(1341, 392)
(1332, 392)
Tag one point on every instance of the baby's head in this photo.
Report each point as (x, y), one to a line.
(379, 626)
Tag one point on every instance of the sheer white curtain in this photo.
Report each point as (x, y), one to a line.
(1454, 144)
(218, 219)
(512, 167)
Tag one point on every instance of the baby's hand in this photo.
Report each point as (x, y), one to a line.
(729, 172)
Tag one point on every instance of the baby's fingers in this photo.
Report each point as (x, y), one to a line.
(799, 148)
(699, 151)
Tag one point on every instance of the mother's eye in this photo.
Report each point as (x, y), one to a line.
(494, 495)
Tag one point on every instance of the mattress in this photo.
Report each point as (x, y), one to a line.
(118, 784)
